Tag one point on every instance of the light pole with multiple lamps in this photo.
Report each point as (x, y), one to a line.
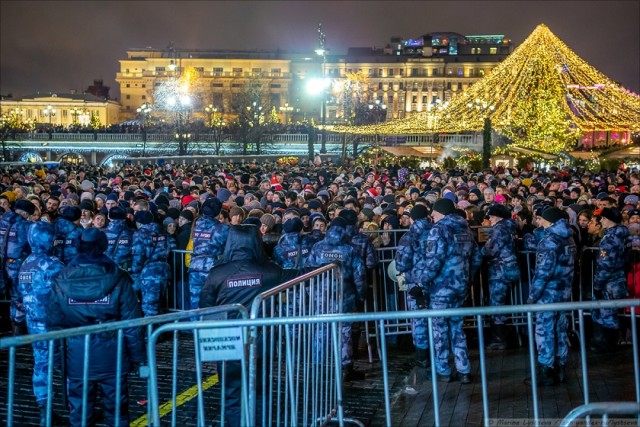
(486, 110)
(180, 104)
(322, 51)
(144, 110)
(286, 110)
(49, 112)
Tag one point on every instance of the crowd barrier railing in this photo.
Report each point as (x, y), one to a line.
(290, 365)
(601, 408)
(54, 338)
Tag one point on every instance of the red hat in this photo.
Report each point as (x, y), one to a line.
(372, 192)
(276, 186)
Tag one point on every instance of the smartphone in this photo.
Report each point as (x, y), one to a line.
(166, 189)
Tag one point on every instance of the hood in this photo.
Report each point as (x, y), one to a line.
(455, 222)
(243, 244)
(88, 283)
(421, 226)
(116, 224)
(509, 224)
(619, 231)
(292, 238)
(351, 231)
(561, 228)
(64, 226)
(153, 227)
(335, 235)
(11, 217)
(41, 236)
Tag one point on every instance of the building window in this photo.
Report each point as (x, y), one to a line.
(493, 50)
(401, 71)
(435, 72)
(414, 72)
(160, 69)
(481, 73)
(156, 84)
(275, 85)
(256, 70)
(414, 99)
(380, 85)
(380, 72)
(236, 85)
(478, 51)
(448, 85)
(144, 85)
(217, 85)
(218, 70)
(276, 70)
(460, 72)
(128, 96)
(390, 72)
(237, 70)
(144, 96)
(127, 85)
(424, 99)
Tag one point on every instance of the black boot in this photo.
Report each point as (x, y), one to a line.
(56, 420)
(350, 374)
(611, 337)
(561, 374)
(598, 343)
(546, 376)
(498, 337)
(19, 329)
(422, 358)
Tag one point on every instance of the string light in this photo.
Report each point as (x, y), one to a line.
(542, 96)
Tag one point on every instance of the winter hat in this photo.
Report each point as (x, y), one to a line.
(223, 194)
(25, 205)
(237, 211)
(444, 206)
(293, 225)
(143, 217)
(86, 196)
(337, 222)
(168, 221)
(316, 215)
(92, 241)
(499, 210)
(268, 220)
(314, 204)
(612, 214)
(368, 213)
(553, 215)
(349, 216)
(212, 207)
(372, 192)
(87, 205)
(451, 196)
(71, 213)
(418, 212)
(463, 204)
(113, 197)
(499, 198)
(186, 214)
(631, 199)
(173, 213)
(86, 185)
(393, 221)
(117, 212)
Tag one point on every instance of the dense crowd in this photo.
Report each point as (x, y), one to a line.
(314, 214)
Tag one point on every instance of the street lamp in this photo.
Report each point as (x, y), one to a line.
(211, 111)
(486, 110)
(49, 112)
(322, 51)
(144, 110)
(180, 103)
(75, 113)
(286, 110)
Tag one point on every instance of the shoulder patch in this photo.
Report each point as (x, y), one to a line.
(252, 281)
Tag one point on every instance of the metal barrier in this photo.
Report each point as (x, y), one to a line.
(601, 408)
(89, 332)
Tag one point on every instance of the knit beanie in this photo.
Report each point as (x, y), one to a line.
(444, 206)
(553, 215)
(418, 212)
(268, 220)
(612, 214)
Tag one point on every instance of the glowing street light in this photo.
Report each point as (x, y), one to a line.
(49, 112)
(286, 110)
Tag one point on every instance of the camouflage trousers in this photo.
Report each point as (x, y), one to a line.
(551, 338)
(608, 317)
(448, 334)
(40, 362)
(419, 328)
(322, 342)
(196, 283)
(16, 308)
(154, 280)
(497, 297)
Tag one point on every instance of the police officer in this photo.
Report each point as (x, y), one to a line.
(333, 249)
(609, 282)
(68, 231)
(410, 260)
(555, 257)
(209, 238)
(293, 248)
(360, 241)
(92, 289)
(500, 252)
(451, 257)
(119, 238)
(150, 270)
(34, 284)
(14, 248)
(243, 273)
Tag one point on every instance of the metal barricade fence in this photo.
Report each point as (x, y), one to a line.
(87, 333)
(601, 408)
(291, 366)
(177, 297)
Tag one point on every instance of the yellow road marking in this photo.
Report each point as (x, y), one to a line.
(181, 399)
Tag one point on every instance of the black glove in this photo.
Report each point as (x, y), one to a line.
(419, 297)
(598, 294)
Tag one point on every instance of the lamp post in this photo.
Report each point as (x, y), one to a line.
(75, 113)
(49, 112)
(144, 110)
(180, 104)
(211, 111)
(321, 51)
(286, 110)
(486, 110)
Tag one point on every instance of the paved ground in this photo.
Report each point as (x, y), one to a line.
(411, 394)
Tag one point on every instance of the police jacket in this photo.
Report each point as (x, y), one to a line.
(315, 236)
(411, 250)
(452, 256)
(555, 257)
(243, 273)
(36, 278)
(150, 245)
(500, 251)
(611, 260)
(120, 240)
(209, 238)
(292, 250)
(362, 245)
(67, 233)
(14, 246)
(88, 291)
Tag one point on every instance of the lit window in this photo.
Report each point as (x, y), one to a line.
(493, 50)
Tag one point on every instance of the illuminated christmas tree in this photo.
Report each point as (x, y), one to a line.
(542, 96)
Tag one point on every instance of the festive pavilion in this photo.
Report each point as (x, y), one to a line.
(543, 96)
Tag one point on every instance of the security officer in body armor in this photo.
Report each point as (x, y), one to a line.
(150, 269)
(209, 238)
(119, 238)
(555, 257)
(14, 248)
(333, 249)
(68, 231)
(452, 257)
(293, 248)
(410, 260)
(243, 274)
(34, 284)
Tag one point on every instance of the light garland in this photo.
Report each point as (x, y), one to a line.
(542, 96)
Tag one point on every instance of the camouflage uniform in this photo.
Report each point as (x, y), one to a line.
(67, 233)
(503, 269)
(150, 268)
(555, 256)
(609, 282)
(14, 248)
(209, 238)
(292, 250)
(120, 238)
(409, 260)
(363, 246)
(452, 255)
(333, 250)
(34, 283)
(315, 236)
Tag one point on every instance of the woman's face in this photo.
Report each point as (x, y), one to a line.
(99, 221)
(171, 228)
(86, 215)
(583, 221)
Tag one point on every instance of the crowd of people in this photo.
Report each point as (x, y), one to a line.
(70, 226)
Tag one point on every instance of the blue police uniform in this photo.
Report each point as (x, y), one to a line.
(67, 233)
(610, 281)
(209, 238)
(150, 267)
(333, 249)
(14, 248)
(555, 257)
(120, 240)
(292, 250)
(363, 245)
(410, 260)
(34, 284)
(452, 256)
(315, 236)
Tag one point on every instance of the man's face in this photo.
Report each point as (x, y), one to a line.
(489, 196)
(405, 221)
(5, 205)
(320, 225)
(52, 205)
(110, 203)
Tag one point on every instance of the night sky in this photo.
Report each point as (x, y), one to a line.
(55, 46)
